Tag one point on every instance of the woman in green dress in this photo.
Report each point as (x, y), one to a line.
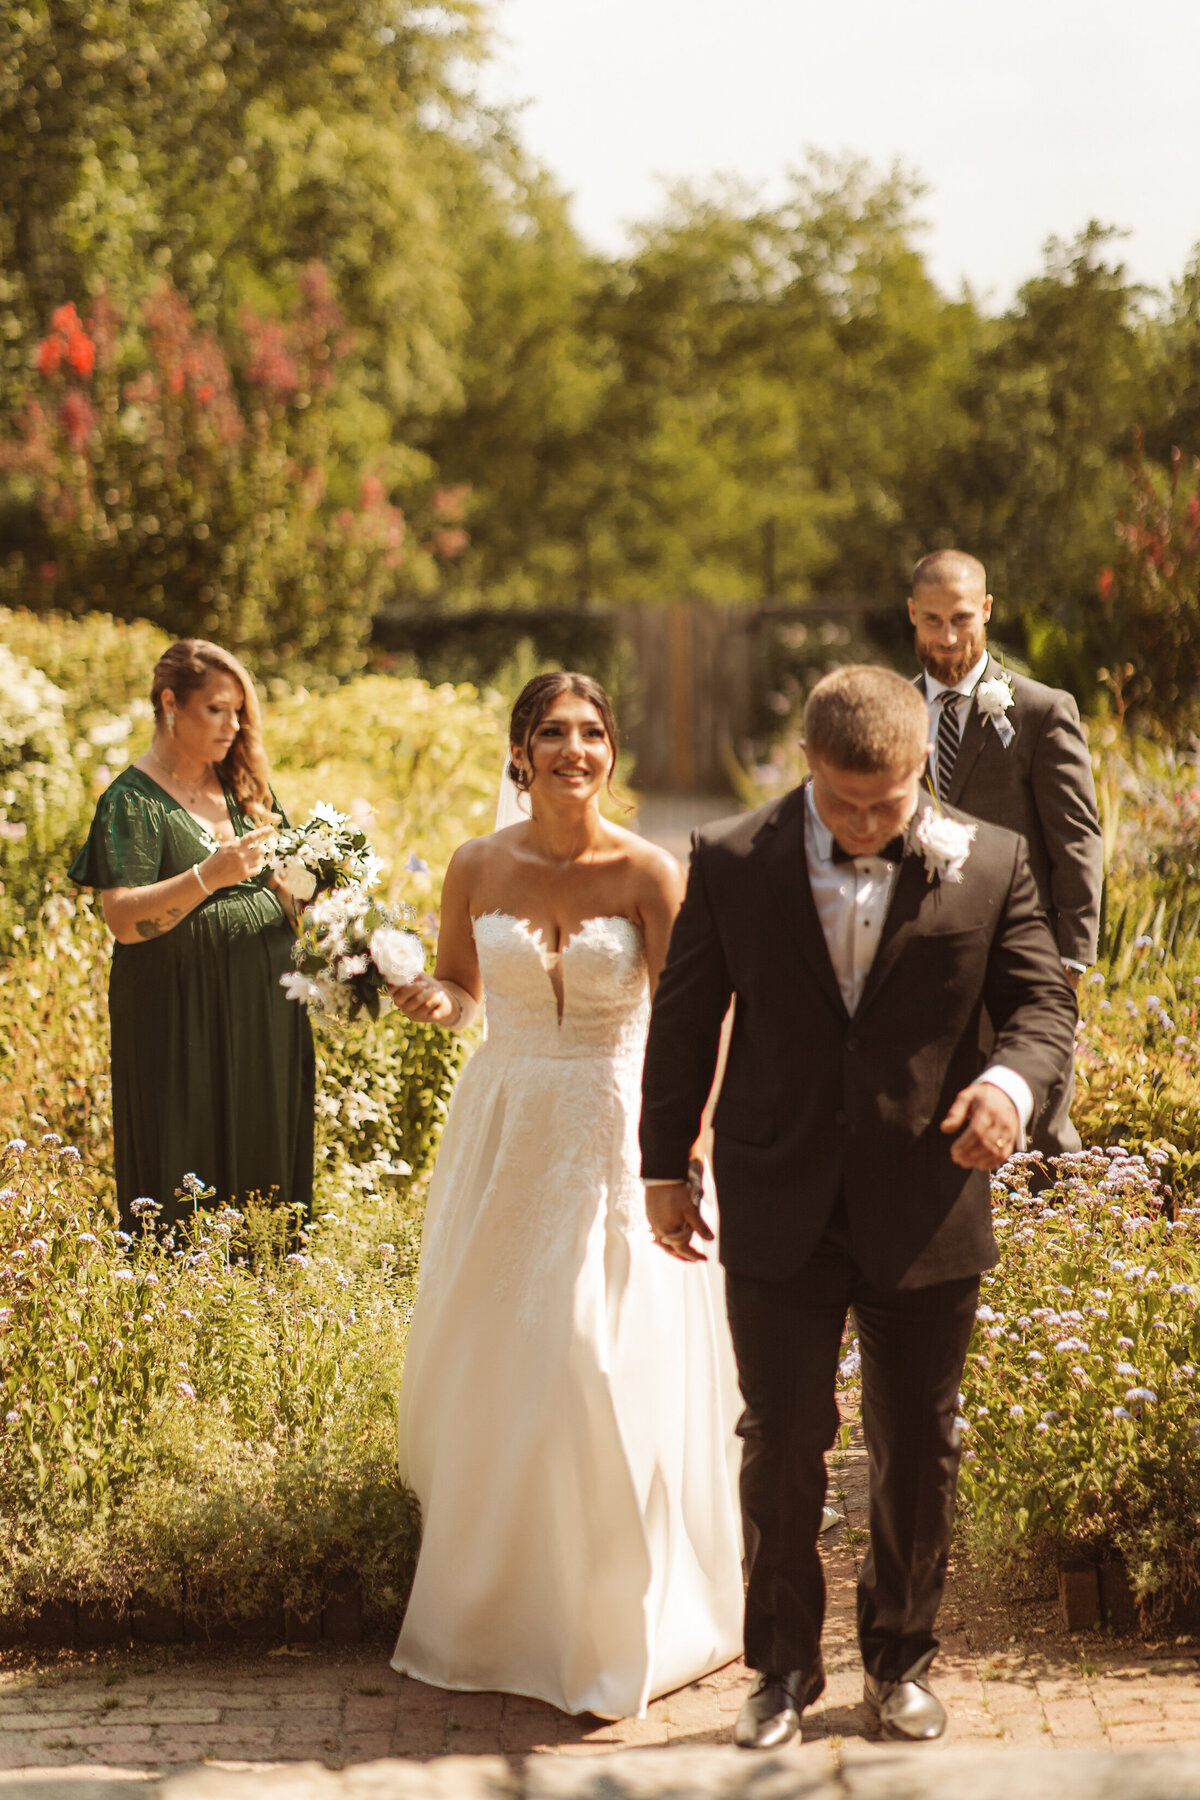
(212, 1066)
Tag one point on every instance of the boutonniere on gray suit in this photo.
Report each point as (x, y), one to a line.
(995, 696)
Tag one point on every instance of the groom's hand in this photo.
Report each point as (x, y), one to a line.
(674, 1215)
(992, 1127)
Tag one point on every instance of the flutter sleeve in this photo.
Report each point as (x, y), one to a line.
(125, 845)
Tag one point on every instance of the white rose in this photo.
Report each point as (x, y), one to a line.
(398, 955)
(300, 882)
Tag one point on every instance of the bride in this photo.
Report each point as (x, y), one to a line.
(568, 1392)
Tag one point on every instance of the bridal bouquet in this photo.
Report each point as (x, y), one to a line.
(327, 852)
(348, 950)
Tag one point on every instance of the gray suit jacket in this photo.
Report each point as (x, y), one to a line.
(1040, 786)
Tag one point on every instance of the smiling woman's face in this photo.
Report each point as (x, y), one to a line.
(569, 751)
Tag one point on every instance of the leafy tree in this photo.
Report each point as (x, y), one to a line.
(1053, 396)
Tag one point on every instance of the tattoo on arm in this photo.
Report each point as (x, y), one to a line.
(152, 928)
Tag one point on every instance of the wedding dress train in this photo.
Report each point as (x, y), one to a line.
(568, 1395)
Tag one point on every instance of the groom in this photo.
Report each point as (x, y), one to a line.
(862, 929)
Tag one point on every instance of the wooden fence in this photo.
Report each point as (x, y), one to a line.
(690, 678)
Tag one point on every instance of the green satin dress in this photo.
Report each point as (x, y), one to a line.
(212, 1064)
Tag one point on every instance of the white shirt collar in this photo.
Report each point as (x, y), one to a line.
(968, 684)
(822, 837)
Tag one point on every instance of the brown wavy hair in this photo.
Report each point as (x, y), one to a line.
(534, 702)
(185, 668)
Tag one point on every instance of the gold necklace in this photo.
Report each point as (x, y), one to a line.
(194, 794)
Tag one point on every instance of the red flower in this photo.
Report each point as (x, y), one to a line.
(204, 393)
(49, 355)
(371, 493)
(1104, 585)
(449, 543)
(77, 418)
(65, 319)
(81, 353)
(450, 502)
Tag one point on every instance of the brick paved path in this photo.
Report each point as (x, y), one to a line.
(146, 1717)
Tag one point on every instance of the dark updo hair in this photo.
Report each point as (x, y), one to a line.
(534, 702)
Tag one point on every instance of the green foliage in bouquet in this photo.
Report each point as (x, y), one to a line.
(215, 1409)
(1081, 1396)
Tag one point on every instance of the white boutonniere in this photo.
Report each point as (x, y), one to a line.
(945, 844)
(995, 696)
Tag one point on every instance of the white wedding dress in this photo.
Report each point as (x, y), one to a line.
(568, 1396)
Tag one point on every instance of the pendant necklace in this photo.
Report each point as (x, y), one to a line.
(195, 794)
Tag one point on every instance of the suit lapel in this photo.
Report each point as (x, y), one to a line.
(785, 869)
(912, 883)
(971, 742)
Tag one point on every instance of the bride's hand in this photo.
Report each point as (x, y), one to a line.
(426, 1001)
(674, 1215)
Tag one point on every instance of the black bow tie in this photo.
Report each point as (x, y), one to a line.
(892, 851)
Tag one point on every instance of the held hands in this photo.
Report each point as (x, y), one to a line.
(992, 1127)
(240, 861)
(674, 1214)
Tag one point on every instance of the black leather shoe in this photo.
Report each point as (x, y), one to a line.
(907, 1710)
(770, 1713)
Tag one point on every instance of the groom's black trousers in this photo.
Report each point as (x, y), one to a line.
(787, 1336)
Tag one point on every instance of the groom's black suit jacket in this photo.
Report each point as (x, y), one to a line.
(816, 1103)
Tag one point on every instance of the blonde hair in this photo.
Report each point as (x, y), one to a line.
(866, 721)
(185, 668)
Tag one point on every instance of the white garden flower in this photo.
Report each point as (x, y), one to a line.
(945, 844)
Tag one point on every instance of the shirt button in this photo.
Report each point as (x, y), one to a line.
(852, 1042)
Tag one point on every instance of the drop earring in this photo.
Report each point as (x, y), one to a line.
(171, 723)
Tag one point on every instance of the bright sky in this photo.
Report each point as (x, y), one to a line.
(1025, 117)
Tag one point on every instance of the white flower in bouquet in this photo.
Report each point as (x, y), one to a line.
(945, 844)
(348, 950)
(297, 877)
(398, 955)
(328, 851)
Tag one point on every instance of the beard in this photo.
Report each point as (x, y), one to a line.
(950, 670)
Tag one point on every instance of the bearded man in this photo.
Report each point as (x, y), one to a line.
(1012, 752)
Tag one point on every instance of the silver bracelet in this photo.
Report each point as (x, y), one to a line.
(200, 879)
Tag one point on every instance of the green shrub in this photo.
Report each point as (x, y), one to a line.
(1081, 1397)
(212, 1409)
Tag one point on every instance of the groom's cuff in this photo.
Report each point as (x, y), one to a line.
(664, 1180)
(1018, 1091)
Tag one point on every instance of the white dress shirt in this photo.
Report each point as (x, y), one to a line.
(934, 689)
(852, 899)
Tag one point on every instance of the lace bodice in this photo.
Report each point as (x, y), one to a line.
(598, 978)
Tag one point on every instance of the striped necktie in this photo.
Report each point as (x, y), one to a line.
(948, 737)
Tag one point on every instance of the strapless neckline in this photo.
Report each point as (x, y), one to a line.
(537, 935)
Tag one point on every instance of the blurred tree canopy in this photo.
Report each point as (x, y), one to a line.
(754, 401)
